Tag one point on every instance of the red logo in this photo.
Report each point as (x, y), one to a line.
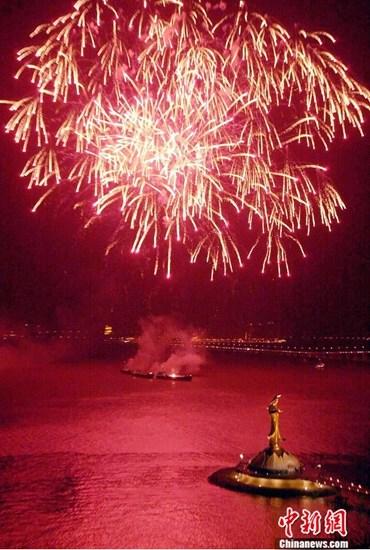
(335, 521)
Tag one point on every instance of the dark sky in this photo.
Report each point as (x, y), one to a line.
(54, 273)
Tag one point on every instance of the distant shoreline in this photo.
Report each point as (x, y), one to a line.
(313, 349)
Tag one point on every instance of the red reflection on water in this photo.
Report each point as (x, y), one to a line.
(92, 458)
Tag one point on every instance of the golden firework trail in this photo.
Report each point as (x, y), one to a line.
(187, 124)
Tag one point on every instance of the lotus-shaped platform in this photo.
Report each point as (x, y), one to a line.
(231, 478)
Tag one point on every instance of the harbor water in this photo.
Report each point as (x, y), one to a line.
(94, 458)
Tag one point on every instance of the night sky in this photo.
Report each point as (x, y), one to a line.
(55, 273)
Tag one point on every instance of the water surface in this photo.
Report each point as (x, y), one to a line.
(94, 458)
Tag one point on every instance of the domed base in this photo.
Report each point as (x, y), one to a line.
(231, 478)
(269, 463)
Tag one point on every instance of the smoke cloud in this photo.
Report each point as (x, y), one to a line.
(165, 346)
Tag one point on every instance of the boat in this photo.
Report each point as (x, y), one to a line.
(320, 365)
(160, 375)
(138, 373)
(174, 376)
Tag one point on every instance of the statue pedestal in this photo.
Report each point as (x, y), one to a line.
(231, 478)
(269, 463)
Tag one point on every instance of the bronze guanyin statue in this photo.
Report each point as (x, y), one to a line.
(275, 461)
(274, 436)
(273, 471)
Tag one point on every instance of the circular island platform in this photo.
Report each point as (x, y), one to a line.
(231, 478)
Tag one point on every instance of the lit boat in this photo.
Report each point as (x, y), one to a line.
(138, 373)
(320, 366)
(160, 375)
(174, 376)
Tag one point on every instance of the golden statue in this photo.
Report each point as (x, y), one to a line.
(275, 461)
(274, 436)
(273, 471)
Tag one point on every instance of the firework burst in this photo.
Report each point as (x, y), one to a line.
(185, 123)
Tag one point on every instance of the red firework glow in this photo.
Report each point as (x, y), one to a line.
(189, 121)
